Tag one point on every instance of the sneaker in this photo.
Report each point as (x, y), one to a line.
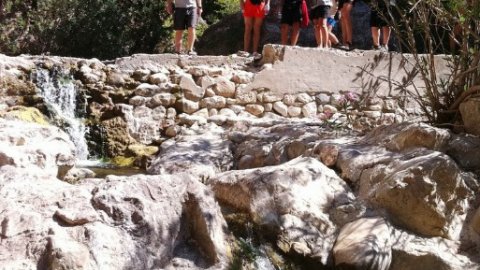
(256, 56)
(344, 47)
(192, 53)
(375, 47)
(243, 54)
(336, 46)
(384, 48)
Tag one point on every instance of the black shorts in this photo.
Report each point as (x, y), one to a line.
(320, 12)
(377, 17)
(343, 2)
(291, 12)
(184, 18)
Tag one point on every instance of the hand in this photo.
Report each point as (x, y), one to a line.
(169, 8)
(199, 11)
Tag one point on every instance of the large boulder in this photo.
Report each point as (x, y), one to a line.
(137, 222)
(364, 244)
(28, 145)
(423, 191)
(203, 152)
(299, 202)
(470, 110)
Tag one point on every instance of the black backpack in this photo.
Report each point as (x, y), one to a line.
(256, 2)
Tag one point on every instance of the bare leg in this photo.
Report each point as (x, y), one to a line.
(385, 35)
(376, 36)
(295, 33)
(247, 36)
(332, 39)
(178, 40)
(284, 33)
(316, 31)
(191, 38)
(346, 23)
(257, 29)
(323, 32)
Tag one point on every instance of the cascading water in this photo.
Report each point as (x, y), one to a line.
(60, 96)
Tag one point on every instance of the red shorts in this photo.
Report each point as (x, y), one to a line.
(253, 11)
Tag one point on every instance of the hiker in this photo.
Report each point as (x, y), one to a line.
(254, 11)
(345, 7)
(319, 14)
(331, 22)
(185, 17)
(379, 22)
(291, 17)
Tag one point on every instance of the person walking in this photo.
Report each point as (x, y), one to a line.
(319, 14)
(345, 8)
(185, 17)
(379, 22)
(254, 11)
(291, 17)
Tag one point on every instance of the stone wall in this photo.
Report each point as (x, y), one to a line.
(143, 99)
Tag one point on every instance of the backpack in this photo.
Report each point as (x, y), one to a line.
(305, 17)
(256, 2)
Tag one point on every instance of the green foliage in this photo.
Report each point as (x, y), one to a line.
(215, 10)
(88, 28)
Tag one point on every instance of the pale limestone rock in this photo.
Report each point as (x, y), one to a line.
(280, 108)
(68, 254)
(159, 113)
(288, 99)
(137, 101)
(374, 107)
(326, 153)
(337, 100)
(172, 131)
(470, 110)
(187, 106)
(237, 108)
(190, 89)
(216, 102)
(158, 78)
(224, 87)
(227, 112)
(293, 199)
(242, 77)
(209, 92)
(424, 192)
(320, 108)
(244, 96)
(294, 111)
(254, 109)
(309, 110)
(323, 98)
(89, 75)
(329, 109)
(372, 114)
(231, 101)
(141, 75)
(387, 119)
(202, 112)
(202, 154)
(268, 107)
(364, 244)
(116, 78)
(207, 81)
(171, 113)
(197, 71)
(162, 99)
(189, 120)
(304, 98)
(390, 105)
(147, 90)
(212, 112)
(270, 97)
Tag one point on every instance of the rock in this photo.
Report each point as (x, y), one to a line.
(116, 78)
(294, 111)
(204, 154)
(227, 112)
(64, 254)
(117, 136)
(270, 97)
(141, 75)
(289, 99)
(254, 109)
(140, 150)
(280, 108)
(326, 153)
(27, 114)
(329, 109)
(464, 150)
(245, 97)
(423, 191)
(217, 102)
(76, 174)
(147, 90)
(304, 98)
(187, 106)
(90, 76)
(240, 76)
(162, 99)
(292, 200)
(224, 87)
(137, 101)
(190, 89)
(189, 120)
(470, 109)
(364, 244)
(158, 78)
(309, 110)
(323, 98)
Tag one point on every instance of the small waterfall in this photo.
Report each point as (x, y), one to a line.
(60, 96)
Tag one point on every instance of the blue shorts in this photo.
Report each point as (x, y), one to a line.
(331, 22)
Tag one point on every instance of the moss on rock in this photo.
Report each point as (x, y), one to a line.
(26, 114)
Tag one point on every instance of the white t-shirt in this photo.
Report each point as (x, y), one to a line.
(185, 3)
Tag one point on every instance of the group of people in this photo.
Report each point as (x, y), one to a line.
(322, 13)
